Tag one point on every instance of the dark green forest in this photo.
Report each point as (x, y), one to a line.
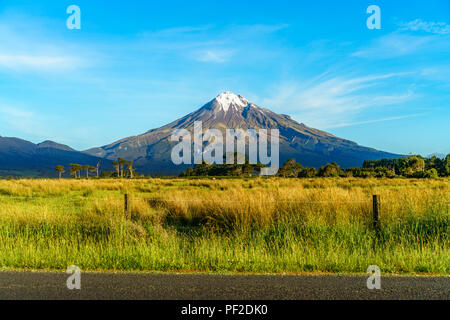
(408, 167)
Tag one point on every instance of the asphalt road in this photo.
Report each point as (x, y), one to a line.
(52, 285)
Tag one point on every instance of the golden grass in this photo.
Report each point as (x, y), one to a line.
(255, 224)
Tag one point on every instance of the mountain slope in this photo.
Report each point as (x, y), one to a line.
(23, 158)
(311, 147)
(54, 145)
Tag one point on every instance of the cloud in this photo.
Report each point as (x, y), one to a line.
(18, 114)
(349, 124)
(37, 127)
(394, 45)
(430, 27)
(230, 32)
(178, 31)
(43, 63)
(216, 56)
(437, 73)
(401, 43)
(327, 100)
(237, 37)
(20, 119)
(38, 50)
(255, 30)
(209, 44)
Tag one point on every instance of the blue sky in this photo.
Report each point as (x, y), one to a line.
(138, 65)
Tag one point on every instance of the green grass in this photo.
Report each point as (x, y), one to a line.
(225, 226)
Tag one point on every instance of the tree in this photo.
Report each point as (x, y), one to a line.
(60, 170)
(122, 162)
(73, 172)
(290, 168)
(447, 165)
(330, 170)
(117, 167)
(307, 173)
(202, 169)
(416, 163)
(74, 169)
(130, 168)
(97, 168)
(86, 167)
(93, 169)
(431, 173)
(107, 174)
(248, 169)
(79, 168)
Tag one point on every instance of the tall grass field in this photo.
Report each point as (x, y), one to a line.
(259, 225)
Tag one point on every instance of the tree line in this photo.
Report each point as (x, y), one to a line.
(412, 166)
(409, 167)
(123, 169)
(207, 169)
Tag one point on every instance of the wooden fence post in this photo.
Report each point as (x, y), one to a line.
(376, 213)
(125, 198)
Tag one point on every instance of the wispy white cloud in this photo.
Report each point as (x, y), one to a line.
(401, 42)
(17, 114)
(255, 30)
(394, 45)
(231, 31)
(207, 43)
(349, 124)
(38, 50)
(430, 26)
(20, 119)
(327, 100)
(177, 31)
(214, 55)
(42, 63)
(37, 127)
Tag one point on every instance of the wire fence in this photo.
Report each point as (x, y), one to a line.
(120, 197)
(81, 201)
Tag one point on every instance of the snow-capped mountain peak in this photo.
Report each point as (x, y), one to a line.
(151, 150)
(228, 99)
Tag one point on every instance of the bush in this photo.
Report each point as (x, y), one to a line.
(307, 173)
(330, 170)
